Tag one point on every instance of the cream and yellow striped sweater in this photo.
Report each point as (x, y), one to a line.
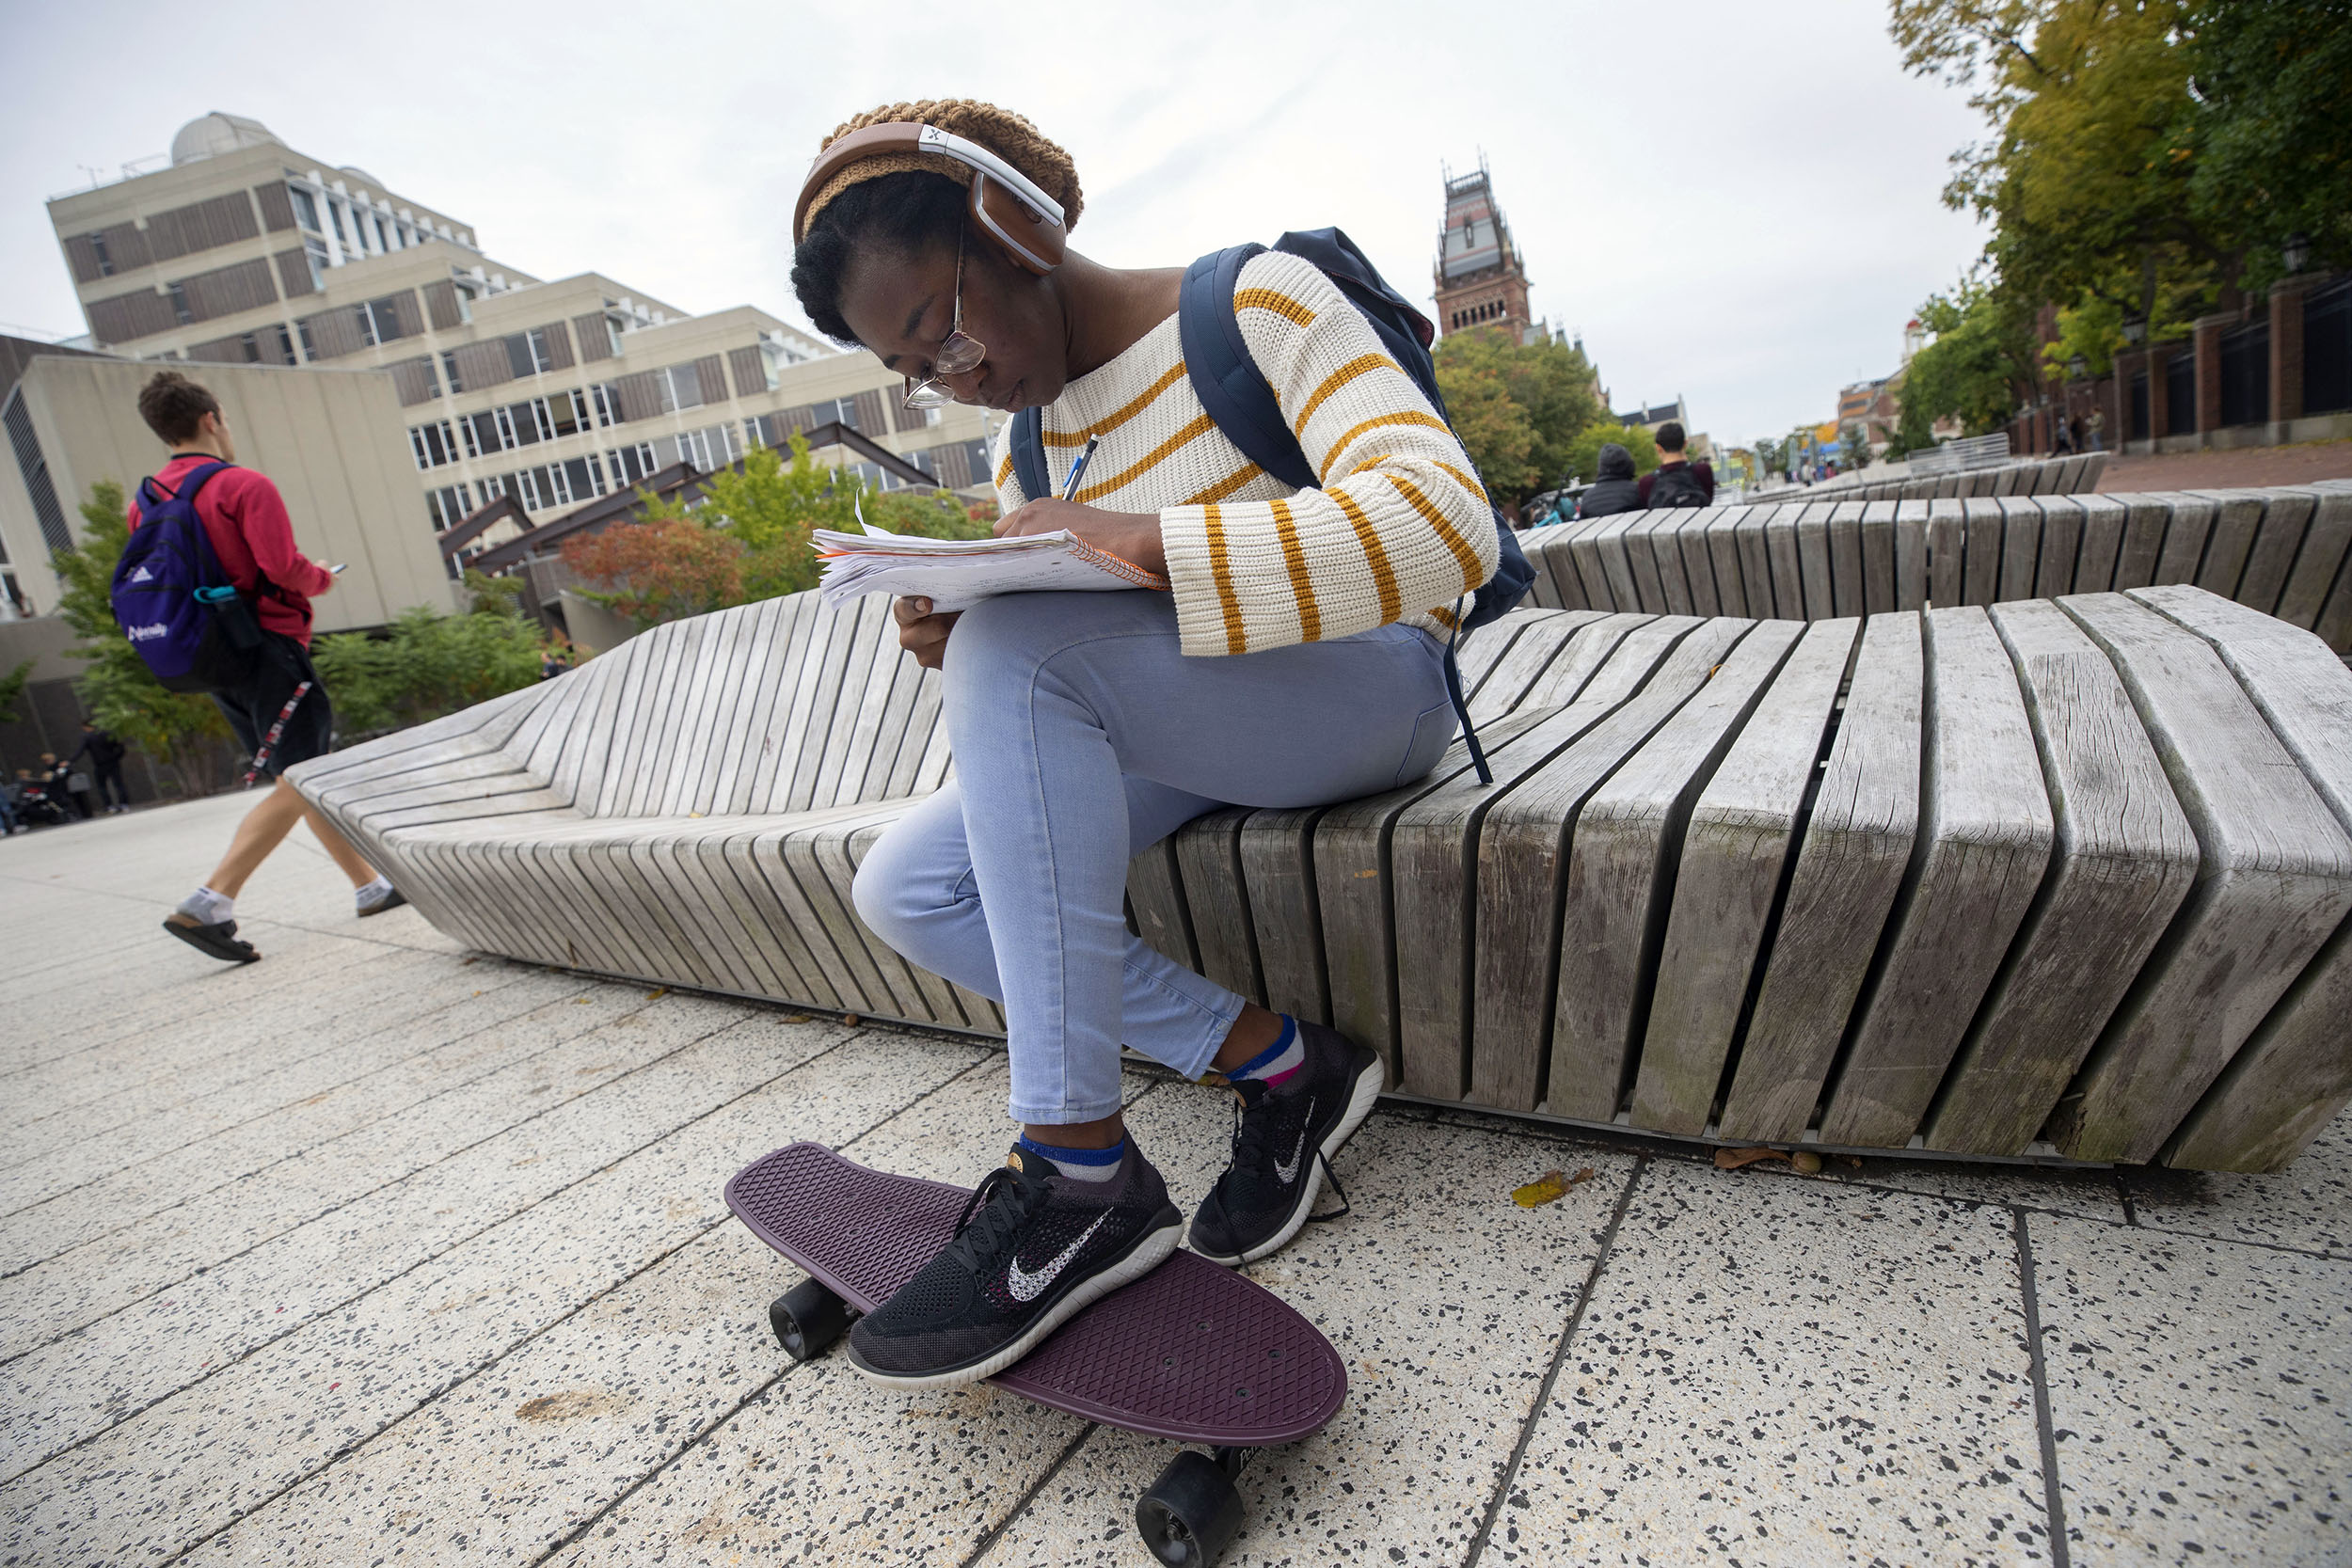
(1400, 525)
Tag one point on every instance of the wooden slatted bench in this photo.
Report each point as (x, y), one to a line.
(2280, 550)
(2062, 876)
(2055, 476)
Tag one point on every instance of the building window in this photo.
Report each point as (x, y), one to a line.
(632, 464)
(314, 252)
(464, 302)
(305, 213)
(564, 414)
(448, 507)
(433, 444)
(527, 353)
(105, 262)
(179, 304)
(605, 399)
(681, 387)
(379, 322)
(449, 368)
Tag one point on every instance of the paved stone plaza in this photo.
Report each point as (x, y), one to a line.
(379, 1252)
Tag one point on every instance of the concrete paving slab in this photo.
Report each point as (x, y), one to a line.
(2201, 1395)
(2309, 1205)
(1447, 1301)
(1780, 1372)
(181, 1472)
(485, 1033)
(87, 1282)
(72, 1387)
(559, 1430)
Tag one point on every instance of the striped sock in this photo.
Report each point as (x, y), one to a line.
(1083, 1164)
(1276, 1061)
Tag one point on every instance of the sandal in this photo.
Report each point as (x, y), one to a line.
(219, 941)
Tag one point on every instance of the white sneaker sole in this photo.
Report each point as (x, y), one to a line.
(1155, 1248)
(1360, 1105)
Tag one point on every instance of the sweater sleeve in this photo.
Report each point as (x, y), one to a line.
(1400, 525)
(1000, 455)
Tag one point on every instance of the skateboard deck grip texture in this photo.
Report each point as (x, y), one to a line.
(1192, 1352)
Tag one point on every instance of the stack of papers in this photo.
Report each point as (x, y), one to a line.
(957, 574)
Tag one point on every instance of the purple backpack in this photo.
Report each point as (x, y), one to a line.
(173, 601)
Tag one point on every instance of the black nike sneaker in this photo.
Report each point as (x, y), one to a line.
(1283, 1138)
(1032, 1248)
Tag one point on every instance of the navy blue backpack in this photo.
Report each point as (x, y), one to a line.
(1235, 395)
(173, 601)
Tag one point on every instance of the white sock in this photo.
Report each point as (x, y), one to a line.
(375, 889)
(207, 908)
(1083, 1164)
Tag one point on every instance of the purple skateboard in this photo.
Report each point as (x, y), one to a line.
(1192, 1352)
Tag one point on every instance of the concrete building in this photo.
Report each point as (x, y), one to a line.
(329, 439)
(245, 252)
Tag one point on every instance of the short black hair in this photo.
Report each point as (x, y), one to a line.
(174, 407)
(905, 213)
(1669, 435)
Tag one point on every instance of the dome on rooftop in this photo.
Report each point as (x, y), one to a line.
(363, 176)
(217, 133)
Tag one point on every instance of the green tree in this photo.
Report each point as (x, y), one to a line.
(179, 729)
(1982, 363)
(1911, 422)
(426, 664)
(2148, 155)
(1519, 407)
(12, 690)
(1853, 448)
(1584, 452)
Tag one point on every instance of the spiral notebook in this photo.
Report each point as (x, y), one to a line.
(956, 574)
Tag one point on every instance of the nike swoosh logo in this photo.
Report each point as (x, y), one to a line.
(1289, 1173)
(1026, 1286)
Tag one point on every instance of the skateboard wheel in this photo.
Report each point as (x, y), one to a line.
(1191, 1513)
(807, 1319)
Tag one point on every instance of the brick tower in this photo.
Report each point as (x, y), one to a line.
(1481, 280)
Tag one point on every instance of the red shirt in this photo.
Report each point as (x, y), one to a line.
(245, 518)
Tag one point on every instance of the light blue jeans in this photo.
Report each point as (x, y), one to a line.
(1082, 737)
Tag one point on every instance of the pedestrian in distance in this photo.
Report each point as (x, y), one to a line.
(1676, 481)
(1614, 489)
(10, 791)
(57, 779)
(106, 755)
(1295, 657)
(279, 710)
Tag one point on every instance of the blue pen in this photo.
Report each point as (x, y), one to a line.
(1069, 485)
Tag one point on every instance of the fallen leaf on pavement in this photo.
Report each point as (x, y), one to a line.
(1732, 1159)
(1547, 1187)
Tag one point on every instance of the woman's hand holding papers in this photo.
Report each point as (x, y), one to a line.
(922, 633)
(1131, 536)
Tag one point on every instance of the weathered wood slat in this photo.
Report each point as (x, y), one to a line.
(2102, 543)
(2060, 554)
(1698, 566)
(2275, 884)
(2282, 517)
(2236, 515)
(1208, 857)
(2294, 1074)
(1985, 837)
(2020, 548)
(1784, 552)
(1155, 897)
(1755, 562)
(2125, 859)
(1850, 867)
(1742, 830)
(2318, 561)
(1654, 541)
(1351, 856)
(1585, 550)
(2145, 518)
(1433, 888)
(1946, 552)
(1980, 569)
(2188, 523)
(1277, 871)
(1813, 563)
(1622, 864)
(1723, 553)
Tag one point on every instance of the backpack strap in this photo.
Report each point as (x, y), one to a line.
(1028, 453)
(1232, 390)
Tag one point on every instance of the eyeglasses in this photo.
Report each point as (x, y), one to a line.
(957, 354)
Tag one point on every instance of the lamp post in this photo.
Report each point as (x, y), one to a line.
(2297, 251)
(2134, 328)
(2076, 366)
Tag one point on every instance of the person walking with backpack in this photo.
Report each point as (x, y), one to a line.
(106, 755)
(269, 691)
(1676, 481)
(1266, 445)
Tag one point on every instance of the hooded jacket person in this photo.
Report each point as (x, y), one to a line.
(1615, 490)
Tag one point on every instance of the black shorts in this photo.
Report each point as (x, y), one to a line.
(282, 666)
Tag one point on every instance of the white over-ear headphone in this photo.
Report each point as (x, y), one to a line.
(1025, 223)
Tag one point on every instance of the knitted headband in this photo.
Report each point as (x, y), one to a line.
(1002, 132)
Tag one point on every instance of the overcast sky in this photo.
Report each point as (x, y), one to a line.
(1739, 205)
